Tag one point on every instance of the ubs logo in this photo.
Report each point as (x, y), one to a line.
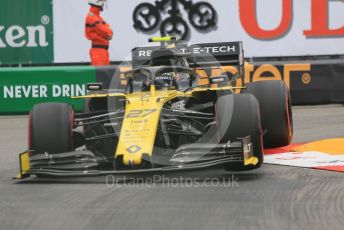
(166, 15)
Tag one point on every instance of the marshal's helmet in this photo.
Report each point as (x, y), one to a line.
(99, 3)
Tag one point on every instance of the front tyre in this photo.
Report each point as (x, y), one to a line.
(51, 128)
(237, 116)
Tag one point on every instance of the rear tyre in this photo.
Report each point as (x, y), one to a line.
(237, 117)
(275, 112)
(51, 128)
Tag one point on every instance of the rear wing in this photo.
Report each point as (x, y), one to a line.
(199, 55)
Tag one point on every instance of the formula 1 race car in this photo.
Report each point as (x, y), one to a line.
(171, 116)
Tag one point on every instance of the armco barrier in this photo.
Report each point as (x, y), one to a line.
(316, 82)
(21, 88)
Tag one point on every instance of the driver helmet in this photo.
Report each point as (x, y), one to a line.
(166, 80)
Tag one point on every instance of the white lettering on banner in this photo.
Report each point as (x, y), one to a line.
(73, 90)
(35, 91)
(26, 91)
(41, 91)
(56, 91)
(13, 34)
(41, 35)
(16, 36)
(20, 91)
(8, 92)
(80, 90)
(2, 44)
(68, 90)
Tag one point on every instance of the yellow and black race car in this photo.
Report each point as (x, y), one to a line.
(171, 116)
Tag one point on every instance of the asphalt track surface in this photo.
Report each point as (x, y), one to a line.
(273, 197)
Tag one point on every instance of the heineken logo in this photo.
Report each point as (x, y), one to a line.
(26, 32)
(16, 36)
(148, 18)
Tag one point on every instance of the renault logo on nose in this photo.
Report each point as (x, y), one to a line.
(133, 149)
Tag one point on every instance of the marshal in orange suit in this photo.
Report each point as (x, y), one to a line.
(99, 32)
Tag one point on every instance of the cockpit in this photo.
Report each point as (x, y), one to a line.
(164, 78)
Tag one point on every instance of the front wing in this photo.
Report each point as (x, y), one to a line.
(186, 158)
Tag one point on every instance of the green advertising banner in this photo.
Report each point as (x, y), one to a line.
(21, 89)
(26, 32)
